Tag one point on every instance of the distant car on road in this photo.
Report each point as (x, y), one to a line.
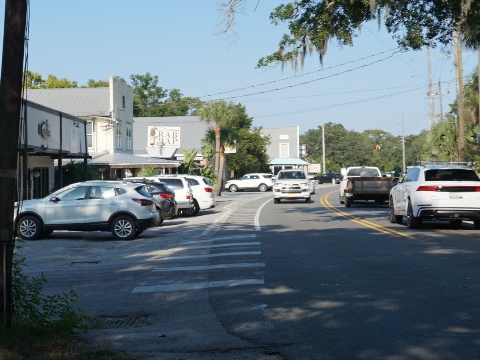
(291, 185)
(436, 192)
(256, 181)
(327, 178)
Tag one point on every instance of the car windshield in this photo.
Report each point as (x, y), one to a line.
(363, 172)
(451, 175)
(292, 175)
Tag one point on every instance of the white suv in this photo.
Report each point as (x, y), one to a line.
(125, 209)
(257, 181)
(202, 190)
(290, 185)
(182, 189)
(436, 192)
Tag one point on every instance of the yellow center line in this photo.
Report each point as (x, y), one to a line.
(324, 201)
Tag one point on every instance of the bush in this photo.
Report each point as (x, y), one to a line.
(39, 321)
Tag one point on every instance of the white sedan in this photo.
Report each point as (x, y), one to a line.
(436, 192)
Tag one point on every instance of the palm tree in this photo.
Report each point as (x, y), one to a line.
(222, 115)
(228, 137)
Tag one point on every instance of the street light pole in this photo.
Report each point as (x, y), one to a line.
(403, 143)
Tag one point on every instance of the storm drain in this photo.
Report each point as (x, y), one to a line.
(81, 263)
(107, 322)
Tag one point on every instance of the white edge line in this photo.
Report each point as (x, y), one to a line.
(257, 216)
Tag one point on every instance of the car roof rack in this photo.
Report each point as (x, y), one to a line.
(442, 162)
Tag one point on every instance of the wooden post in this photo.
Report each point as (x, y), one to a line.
(10, 105)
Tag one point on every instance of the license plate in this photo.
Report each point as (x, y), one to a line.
(456, 195)
(291, 195)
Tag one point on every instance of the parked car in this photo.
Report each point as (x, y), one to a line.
(328, 178)
(202, 190)
(436, 192)
(256, 181)
(181, 187)
(290, 185)
(125, 209)
(163, 196)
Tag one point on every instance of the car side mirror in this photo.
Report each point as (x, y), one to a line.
(54, 199)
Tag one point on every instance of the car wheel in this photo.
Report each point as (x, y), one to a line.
(307, 200)
(456, 224)
(394, 219)
(29, 228)
(233, 188)
(263, 187)
(123, 228)
(476, 224)
(348, 202)
(412, 222)
(276, 201)
(192, 211)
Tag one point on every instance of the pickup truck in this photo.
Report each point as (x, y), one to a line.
(364, 183)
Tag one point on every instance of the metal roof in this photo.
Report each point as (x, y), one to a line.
(74, 101)
(288, 161)
(119, 159)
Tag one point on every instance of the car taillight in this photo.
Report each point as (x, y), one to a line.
(428, 188)
(448, 188)
(166, 196)
(207, 189)
(143, 202)
(188, 197)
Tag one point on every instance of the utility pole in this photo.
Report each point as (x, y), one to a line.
(457, 46)
(440, 100)
(323, 149)
(403, 144)
(10, 105)
(431, 94)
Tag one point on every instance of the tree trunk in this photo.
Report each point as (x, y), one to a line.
(218, 185)
(220, 170)
(10, 105)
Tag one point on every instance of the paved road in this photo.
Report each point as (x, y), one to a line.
(254, 280)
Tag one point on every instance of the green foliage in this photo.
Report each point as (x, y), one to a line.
(35, 81)
(189, 164)
(148, 171)
(74, 172)
(414, 24)
(209, 173)
(251, 152)
(95, 84)
(149, 99)
(37, 318)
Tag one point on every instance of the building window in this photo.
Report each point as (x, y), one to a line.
(119, 136)
(90, 134)
(129, 136)
(123, 101)
(284, 150)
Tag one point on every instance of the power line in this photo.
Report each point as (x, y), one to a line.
(296, 76)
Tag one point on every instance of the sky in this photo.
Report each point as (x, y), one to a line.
(369, 85)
